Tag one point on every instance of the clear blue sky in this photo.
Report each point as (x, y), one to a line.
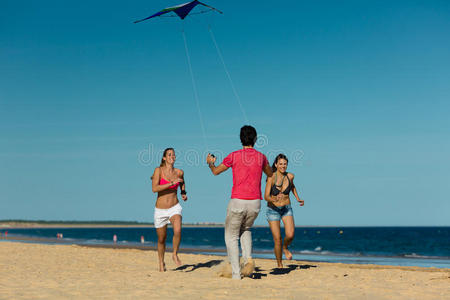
(358, 90)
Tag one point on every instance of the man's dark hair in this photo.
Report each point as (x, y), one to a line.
(248, 135)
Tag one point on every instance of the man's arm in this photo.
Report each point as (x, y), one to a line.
(219, 169)
(267, 195)
(210, 160)
(268, 170)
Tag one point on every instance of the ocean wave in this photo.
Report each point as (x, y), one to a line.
(265, 240)
(414, 255)
(316, 252)
(96, 241)
(361, 255)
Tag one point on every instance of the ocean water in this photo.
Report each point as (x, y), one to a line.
(403, 246)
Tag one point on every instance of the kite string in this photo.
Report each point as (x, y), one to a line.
(194, 87)
(219, 53)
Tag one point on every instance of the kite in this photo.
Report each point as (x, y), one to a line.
(181, 10)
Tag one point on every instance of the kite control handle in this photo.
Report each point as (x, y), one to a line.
(212, 155)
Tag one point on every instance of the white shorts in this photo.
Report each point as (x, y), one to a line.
(162, 216)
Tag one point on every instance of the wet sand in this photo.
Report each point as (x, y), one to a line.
(30, 271)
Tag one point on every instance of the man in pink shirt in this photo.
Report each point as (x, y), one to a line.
(247, 165)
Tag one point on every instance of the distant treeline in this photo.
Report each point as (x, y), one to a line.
(76, 222)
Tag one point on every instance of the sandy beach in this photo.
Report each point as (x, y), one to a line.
(37, 271)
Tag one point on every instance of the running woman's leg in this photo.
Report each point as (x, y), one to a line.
(162, 234)
(277, 242)
(176, 224)
(289, 229)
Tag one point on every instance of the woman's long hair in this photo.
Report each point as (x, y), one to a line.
(163, 162)
(279, 156)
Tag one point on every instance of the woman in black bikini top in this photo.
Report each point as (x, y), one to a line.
(279, 207)
(276, 189)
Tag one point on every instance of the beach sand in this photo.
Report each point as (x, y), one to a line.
(38, 271)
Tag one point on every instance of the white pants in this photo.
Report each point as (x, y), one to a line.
(162, 216)
(240, 217)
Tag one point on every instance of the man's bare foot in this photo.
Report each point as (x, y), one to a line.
(287, 253)
(176, 260)
(162, 267)
(280, 265)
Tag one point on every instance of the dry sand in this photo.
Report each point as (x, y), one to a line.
(37, 271)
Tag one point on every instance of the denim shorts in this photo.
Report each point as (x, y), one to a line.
(275, 213)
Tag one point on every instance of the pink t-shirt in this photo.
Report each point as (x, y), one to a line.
(247, 165)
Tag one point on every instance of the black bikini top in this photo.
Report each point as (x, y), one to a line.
(274, 191)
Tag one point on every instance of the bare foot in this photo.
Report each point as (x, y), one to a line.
(162, 267)
(280, 265)
(176, 260)
(287, 253)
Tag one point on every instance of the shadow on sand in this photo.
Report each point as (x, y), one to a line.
(257, 274)
(289, 268)
(207, 264)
